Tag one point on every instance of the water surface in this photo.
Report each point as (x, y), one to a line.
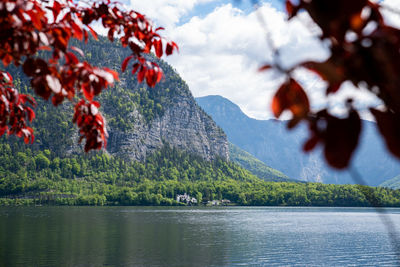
(154, 236)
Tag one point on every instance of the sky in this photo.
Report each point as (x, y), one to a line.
(222, 43)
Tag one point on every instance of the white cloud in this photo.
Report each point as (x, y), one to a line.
(391, 12)
(165, 12)
(220, 54)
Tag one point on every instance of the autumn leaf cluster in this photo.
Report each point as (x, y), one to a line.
(28, 27)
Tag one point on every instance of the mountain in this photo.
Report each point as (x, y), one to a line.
(141, 120)
(161, 144)
(255, 166)
(281, 149)
(393, 183)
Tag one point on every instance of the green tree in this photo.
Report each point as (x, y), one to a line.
(41, 161)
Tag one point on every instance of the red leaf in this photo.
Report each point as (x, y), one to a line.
(125, 63)
(91, 124)
(27, 98)
(3, 130)
(159, 75)
(29, 67)
(78, 31)
(151, 77)
(265, 67)
(40, 86)
(10, 78)
(135, 48)
(77, 49)
(31, 114)
(7, 60)
(111, 35)
(57, 99)
(87, 92)
(35, 19)
(170, 48)
(44, 47)
(113, 73)
(341, 139)
(94, 34)
(311, 143)
(135, 68)
(71, 58)
(389, 126)
(141, 74)
(97, 104)
(278, 101)
(147, 47)
(292, 9)
(28, 135)
(290, 96)
(329, 71)
(85, 36)
(56, 9)
(158, 47)
(289, 8)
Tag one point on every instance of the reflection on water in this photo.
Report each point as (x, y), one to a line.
(137, 236)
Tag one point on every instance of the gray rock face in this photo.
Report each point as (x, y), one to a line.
(183, 125)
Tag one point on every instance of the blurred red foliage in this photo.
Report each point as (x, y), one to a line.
(371, 59)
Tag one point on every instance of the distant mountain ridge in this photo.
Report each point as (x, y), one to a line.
(273, 144)
(393, 183)
(255, 166)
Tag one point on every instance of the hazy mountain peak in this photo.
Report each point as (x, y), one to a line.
(281, 149)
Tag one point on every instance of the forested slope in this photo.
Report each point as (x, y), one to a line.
(42, 177)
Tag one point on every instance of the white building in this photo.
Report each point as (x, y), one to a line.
(185, 198)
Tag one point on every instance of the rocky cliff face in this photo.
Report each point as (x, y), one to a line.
(183, 125)
(166, 114)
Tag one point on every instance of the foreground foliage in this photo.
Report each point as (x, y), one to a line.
(365, 52)
(44, 178)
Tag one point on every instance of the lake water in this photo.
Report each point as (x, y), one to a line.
(154, 236)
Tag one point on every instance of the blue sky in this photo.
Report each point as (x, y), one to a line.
(247, 6)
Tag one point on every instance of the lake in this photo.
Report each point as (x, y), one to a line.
(184, 236)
